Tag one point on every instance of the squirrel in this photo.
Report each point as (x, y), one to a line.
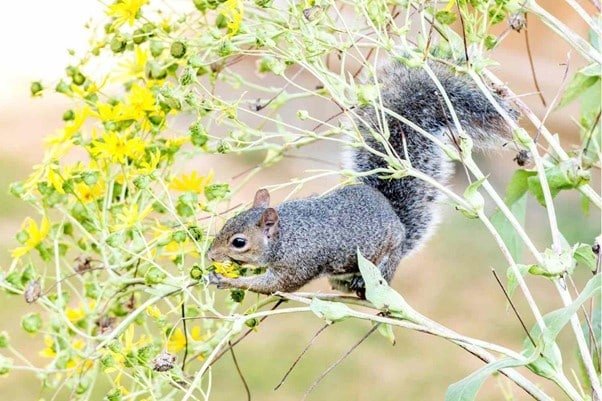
(386, 219)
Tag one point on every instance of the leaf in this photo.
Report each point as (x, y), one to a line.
(584, 255)
(512, 280)
(330, 311)
(550, 360)
(378, 291)
(581, 81)
(507, 231)
(516, 200)
(386, 330)
(518, 186)
(467, 388)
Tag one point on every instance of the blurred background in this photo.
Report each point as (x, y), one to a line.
(449, 280)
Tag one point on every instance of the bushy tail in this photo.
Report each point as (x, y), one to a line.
(412, 94)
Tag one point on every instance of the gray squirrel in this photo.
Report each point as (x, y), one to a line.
(300, 240)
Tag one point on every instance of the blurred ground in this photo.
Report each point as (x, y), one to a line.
(449, 280)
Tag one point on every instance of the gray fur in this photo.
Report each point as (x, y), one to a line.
(384, 218)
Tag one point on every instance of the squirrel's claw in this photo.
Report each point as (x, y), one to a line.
(216, 279)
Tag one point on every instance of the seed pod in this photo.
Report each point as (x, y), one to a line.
(36, 88)
(522, 157)
(164, 362)
(517, 21)
(33, 291)
(178, 49)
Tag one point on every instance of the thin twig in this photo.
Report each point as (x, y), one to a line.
(183, 313)
(233, 344)
(334, 365)
(533, 74)
(242, 377)
(311, 342)
(520, 319)
(463, 35)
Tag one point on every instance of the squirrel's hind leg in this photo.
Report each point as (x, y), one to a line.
(355, 283)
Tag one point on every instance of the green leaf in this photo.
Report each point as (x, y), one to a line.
(467, 388)
(516, 200)
(584, 255)
(330, 311)
(512, 279)
(386, 330)
(581, 81)
(507, 231)
(378, 291)
(518, 186)
(549, 361)
(445, 17)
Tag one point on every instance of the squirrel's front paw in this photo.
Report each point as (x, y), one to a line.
(217, 280)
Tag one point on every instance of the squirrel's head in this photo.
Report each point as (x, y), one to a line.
(246, 237)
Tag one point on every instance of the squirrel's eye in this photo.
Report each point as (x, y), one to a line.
(239, 242)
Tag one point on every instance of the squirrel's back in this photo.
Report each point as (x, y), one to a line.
(411, 93)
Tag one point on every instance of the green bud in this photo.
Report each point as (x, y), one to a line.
(78, 78)
(3, 339)
(62, 87)
(118, 44)
(195, 232)
(302, 115)
(252, 323)
(92, 290)
(114, 395)
(179, 236)
(36, 88)
(445, 17)
(69, 115)
(200, 5)
(6, 365)
(237, 295)
(221, 21)
(196, 273)
(142, 181)
(178, 49)
(156, 48)
(90, 177)
(217, 191)
(31, 323)
(263, 3)
(490, 42)
(198, 134)
(139, 36)
(154, 276)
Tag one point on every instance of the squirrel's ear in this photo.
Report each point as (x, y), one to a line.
(269, 222)
(262, 198)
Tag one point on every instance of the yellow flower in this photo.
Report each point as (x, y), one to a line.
(125, 11)
(177, 341)
(117, 112)
(135, 67)
(49, 351)
(192, 182)
(148, 167)
(75, 314)
(226, 269)
(130, 216)
(116, 148)
(89, 193)
(71, 127)
(35, 235)
(141, 100)
(233, 11)
(195, 334)
(153, 311)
